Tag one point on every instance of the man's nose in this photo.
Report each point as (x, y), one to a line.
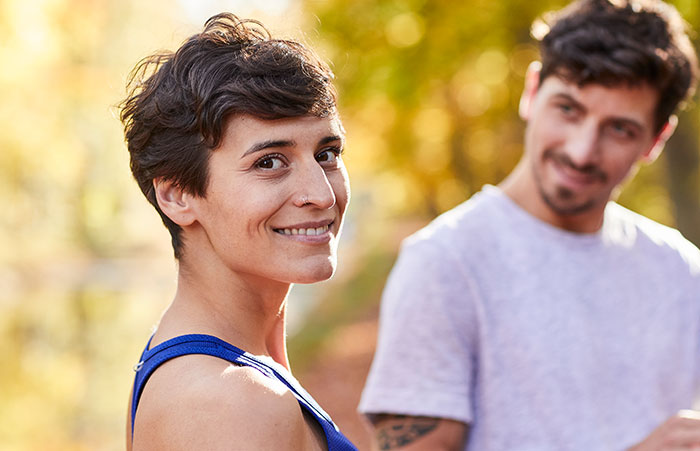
(583, 146)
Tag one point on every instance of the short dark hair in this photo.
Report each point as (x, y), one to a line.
(614, 42)
(178, 102)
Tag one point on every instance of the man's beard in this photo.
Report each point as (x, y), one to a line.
(561, 201)
(564, 194)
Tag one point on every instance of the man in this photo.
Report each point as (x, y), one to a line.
(540, 314)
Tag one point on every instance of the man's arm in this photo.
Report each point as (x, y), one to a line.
(680, 432)
(424, 362)
(409, 433)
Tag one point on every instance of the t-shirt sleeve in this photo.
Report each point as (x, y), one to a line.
(425, 360)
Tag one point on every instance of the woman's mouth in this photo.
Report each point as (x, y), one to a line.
(309, 231)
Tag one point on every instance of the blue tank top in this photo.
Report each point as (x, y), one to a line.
(151, 359)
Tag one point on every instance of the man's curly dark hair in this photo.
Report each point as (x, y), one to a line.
(616, 42)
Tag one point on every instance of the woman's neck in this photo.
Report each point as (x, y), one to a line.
(246, 311)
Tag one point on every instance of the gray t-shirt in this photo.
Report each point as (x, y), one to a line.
(539, 338)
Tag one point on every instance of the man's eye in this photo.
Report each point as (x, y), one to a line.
(566, 108)
(270, 162)
(622, 131)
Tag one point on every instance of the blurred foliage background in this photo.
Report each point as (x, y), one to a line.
(429, 93)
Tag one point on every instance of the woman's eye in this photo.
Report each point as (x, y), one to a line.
(270, 162)
(328, 156)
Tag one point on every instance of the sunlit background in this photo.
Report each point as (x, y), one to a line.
(429, 91)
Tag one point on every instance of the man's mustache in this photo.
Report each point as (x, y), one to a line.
(590, 170)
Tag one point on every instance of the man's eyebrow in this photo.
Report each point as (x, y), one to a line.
(568, 97)
(271, 143)
(630, 122)
(622, 120)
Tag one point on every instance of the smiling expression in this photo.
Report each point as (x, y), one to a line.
(276, 198)
(582, 142)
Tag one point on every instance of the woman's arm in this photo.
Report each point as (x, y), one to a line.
(201, 402)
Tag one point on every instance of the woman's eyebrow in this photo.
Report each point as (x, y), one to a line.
(331, 138)
(272, 143)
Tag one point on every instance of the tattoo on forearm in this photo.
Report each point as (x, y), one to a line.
(395, 431)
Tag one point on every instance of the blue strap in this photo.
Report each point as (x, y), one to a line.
(151, 359)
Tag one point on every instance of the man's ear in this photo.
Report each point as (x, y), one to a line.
(532, 83)
(175, 203)
(660, 141)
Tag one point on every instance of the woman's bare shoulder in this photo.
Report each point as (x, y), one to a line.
(202, 402)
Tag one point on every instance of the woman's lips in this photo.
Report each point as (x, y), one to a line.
(314, 232)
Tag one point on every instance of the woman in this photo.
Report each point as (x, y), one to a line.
(236, 141)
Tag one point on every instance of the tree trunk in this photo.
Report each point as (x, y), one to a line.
(682, 158)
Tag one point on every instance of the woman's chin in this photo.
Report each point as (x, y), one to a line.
(319, 273)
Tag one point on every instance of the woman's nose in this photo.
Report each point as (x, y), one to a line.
(314, 188)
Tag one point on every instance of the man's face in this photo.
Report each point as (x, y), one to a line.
(582, 142)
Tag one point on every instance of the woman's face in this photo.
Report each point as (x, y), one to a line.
(276, 198)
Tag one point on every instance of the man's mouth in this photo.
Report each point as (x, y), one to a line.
(580, 174)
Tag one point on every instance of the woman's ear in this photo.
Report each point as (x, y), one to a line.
(175, 203)
(658, 146)
(532, 83)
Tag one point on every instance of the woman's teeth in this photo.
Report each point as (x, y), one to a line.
(311, 231)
